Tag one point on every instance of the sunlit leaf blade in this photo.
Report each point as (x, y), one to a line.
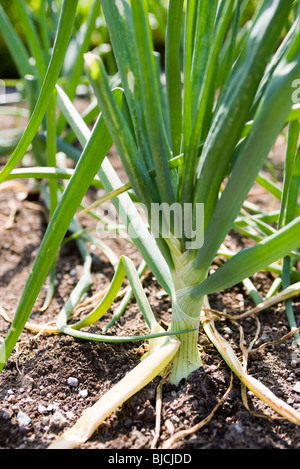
(193, 137)
(122, 137)
(156, 130)
(173, 72)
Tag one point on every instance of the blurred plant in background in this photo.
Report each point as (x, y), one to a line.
(99, 38)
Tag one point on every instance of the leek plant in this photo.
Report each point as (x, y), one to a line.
(192, 149)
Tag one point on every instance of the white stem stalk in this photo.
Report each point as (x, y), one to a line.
(186, 315)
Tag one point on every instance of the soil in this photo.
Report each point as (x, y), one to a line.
(38, 401)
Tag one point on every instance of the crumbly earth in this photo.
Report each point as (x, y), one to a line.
(38, 401)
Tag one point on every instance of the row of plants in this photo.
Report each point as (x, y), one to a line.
(192, 145)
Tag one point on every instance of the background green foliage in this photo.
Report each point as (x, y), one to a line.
(8, 68)
(100, 37)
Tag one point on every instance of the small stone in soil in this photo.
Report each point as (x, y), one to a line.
(42, 409)
(5, 415)
(72, 382)
(23, 419)
(160, 295)
(58, 420)
(83, 393)
(296, 388)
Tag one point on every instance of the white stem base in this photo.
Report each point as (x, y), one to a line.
(187, 359)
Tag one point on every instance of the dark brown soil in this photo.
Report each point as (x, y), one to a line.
(34, 382)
